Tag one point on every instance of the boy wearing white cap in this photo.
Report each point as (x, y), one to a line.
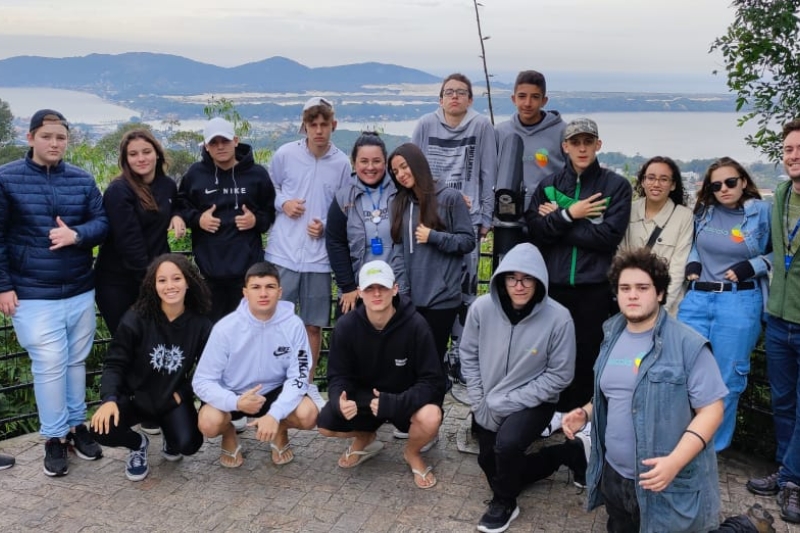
(383, 367)
(307, 173)
(227, 201)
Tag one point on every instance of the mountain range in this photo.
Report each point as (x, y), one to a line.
(137, 73)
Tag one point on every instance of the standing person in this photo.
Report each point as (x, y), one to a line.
(461, 148)
(517, 355)
(256, 364)
(727, 273)
(226, 200)
(657, 403)
(47, 282)
(541, 131)
(358, 229)
(577, 218)
(141, 204)
(431, 233)
(307, 173)
(383, 366)
(661, 221)
(146, 370)
(782, 336)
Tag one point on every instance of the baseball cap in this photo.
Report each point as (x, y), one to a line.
(580, 125)
(218, 127)
(312, 102)
(38, 119)
(376, 272)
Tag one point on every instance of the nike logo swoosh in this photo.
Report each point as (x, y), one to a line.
(212, 190)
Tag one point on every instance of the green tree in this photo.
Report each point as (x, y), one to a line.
(7, 132)
(761, 51)
(225, 108)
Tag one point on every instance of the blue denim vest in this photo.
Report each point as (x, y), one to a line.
(661, 412)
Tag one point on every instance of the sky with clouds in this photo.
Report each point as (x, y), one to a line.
(439, 36)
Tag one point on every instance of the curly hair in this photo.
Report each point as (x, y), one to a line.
(643, 259)
(198, 297)
(705, 196)
(677, 195)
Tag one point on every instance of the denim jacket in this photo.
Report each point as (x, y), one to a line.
(661, 412)
(756, 230)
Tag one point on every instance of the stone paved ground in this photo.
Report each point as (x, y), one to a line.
(309, 495)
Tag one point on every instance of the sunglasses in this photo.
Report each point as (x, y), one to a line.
(730, 183)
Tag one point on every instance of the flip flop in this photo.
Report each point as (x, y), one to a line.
(236, 455)
(363, 455)
(283, 459)
(423, 476)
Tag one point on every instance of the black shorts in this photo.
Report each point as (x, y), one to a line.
(270, 398)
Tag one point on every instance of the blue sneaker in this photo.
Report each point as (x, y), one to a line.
(136, 468)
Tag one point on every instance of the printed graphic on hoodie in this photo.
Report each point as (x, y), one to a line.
(452, 159)
(166, 359)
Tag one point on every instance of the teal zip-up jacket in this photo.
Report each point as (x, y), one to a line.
(579, 252)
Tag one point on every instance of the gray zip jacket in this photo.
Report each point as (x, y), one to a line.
(509, 367)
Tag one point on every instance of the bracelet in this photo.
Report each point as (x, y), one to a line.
(698, 435)
(586, 416)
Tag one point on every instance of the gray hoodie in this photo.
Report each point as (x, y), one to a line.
(463, 158)
(513, 367)
(543, 154)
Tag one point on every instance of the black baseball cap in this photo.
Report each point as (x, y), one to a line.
(38, 119)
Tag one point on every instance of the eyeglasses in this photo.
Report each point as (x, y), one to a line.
(461, 93)
(527, 282)
(730, 183)
(653, 179)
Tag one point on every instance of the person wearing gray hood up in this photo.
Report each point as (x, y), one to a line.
(517, 355)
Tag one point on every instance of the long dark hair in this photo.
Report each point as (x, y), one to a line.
(677, 195)
(424, 191)
(132, 178)
(706, 198)
(198, 297)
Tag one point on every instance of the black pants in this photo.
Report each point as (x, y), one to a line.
(178, 426)
(501, 454)
(590, 306)
(619, 495)
(114, 297)
(225, 296)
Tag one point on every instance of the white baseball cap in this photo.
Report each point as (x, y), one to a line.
(218, 127)
(376, 272)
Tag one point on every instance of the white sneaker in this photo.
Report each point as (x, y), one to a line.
(554, 425)
(316, 397)
(400, 434)
(240, 424)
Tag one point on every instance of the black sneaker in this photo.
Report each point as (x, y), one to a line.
(83, 444)
(168, 454)
(760, 519)
(151, 428)
(577, 451)
(789, 501)
(764, 486)
(498, 516)
(55, 457)
(6, 461)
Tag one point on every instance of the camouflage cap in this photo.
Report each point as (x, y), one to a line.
(580, 125)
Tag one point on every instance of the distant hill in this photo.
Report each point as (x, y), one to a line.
(137, 73)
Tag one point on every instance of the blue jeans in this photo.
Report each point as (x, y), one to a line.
(782, 342)
(58, 335)
(731, 321)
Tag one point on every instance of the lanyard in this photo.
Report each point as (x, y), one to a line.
(376, 207)
(789, 234)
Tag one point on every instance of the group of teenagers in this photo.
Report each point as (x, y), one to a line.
(627, 323)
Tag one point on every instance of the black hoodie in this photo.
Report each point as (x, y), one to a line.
(228, 253)
(399, 361)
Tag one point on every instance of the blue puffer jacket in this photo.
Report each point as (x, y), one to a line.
(31, 197)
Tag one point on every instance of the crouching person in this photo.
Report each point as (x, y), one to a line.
(146, 370)
(256, 364)
(383, 366)
(517, 354)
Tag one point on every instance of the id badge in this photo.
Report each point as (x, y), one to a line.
(376, 244)
(787, 261)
